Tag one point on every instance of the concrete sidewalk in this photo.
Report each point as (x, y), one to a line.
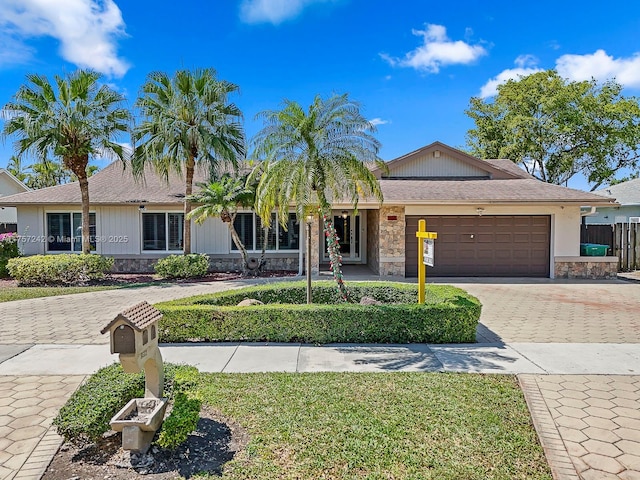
(513, 358)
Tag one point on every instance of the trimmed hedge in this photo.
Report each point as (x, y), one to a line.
(183, 266)
(62, 269)
(450, 315)
(8, 249)
(86, 415)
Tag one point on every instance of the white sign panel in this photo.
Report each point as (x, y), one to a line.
(427, 251)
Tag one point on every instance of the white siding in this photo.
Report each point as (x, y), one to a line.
(8, 186)
(429, 166)
(118, 230)
(211, 237)
(31, 230)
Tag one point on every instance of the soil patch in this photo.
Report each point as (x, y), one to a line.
(215, 442)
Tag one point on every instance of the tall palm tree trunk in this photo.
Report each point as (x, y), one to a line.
(78, 165)
(333, 246)
(190, 168)
(84, 192)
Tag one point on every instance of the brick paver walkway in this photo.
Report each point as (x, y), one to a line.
(28, 405)
(593, 420)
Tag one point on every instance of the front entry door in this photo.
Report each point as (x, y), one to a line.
(348, 229)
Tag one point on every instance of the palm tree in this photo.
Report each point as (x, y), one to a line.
(72, 119)
(222, 198)
(15, 168)
(311, 156)
(188, 121)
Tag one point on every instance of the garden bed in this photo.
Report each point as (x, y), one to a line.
(449, 315)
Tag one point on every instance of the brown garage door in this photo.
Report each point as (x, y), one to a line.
(483, 246)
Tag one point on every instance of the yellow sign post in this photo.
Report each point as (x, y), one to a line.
(423, 236)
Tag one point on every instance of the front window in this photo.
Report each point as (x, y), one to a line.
(250, 231)
(64, 232)
(162, 231)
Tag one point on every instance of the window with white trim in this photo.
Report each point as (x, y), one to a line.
(64, 232)
(162, 231)
(250, 231)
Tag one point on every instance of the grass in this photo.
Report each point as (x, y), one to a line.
(378, 426)
(9, 294)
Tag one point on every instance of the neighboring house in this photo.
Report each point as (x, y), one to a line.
(9, 185)
(492, 219)
(627, 194)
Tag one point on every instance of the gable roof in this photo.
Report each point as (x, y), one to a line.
(505, 183)
(625, 193)
(489, 169)
(139, 317)
(113, 185)
(13, 179)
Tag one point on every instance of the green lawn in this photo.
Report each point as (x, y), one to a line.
(9, 294)
(379, 426)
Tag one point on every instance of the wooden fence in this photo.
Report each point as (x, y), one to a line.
(627, 246)
(623, 240)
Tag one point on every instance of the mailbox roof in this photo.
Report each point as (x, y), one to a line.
(139, 317)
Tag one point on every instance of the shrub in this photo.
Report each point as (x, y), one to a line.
(87, 413)
(62, 269)
(450, 315)
(183, 266)
(8, 249)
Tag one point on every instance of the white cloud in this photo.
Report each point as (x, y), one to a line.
(273, 11)
(601, 66)
(525, 65)
(598, 65)
(437, 51)
(87, 29)
(378, 121)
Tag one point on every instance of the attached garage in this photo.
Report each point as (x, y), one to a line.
(483, 246)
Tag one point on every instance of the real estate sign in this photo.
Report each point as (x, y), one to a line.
(427, 251)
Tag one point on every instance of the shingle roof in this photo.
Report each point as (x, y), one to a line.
(499, 191)
(112, 185)
(509, 166)
(625, 193)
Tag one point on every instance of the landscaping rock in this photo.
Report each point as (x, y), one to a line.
(249, 301)
(369, 301)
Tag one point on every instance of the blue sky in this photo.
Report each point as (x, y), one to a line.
(412, 64)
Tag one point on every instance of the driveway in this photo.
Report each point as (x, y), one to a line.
(514, 310)
(556, 311)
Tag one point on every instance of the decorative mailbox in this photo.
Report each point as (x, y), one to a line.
(134, 336)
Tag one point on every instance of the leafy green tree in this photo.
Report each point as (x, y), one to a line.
(72, 119)
(188, 120)
(313, 156)
(222, 198)
(558, 128)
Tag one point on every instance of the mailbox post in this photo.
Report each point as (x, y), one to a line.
(134, 336)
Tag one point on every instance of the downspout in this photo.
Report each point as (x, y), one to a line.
(590, 213)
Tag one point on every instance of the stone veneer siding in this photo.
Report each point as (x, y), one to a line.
(220, 264)
(373, 240)
(391, 242)
(586, 267)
